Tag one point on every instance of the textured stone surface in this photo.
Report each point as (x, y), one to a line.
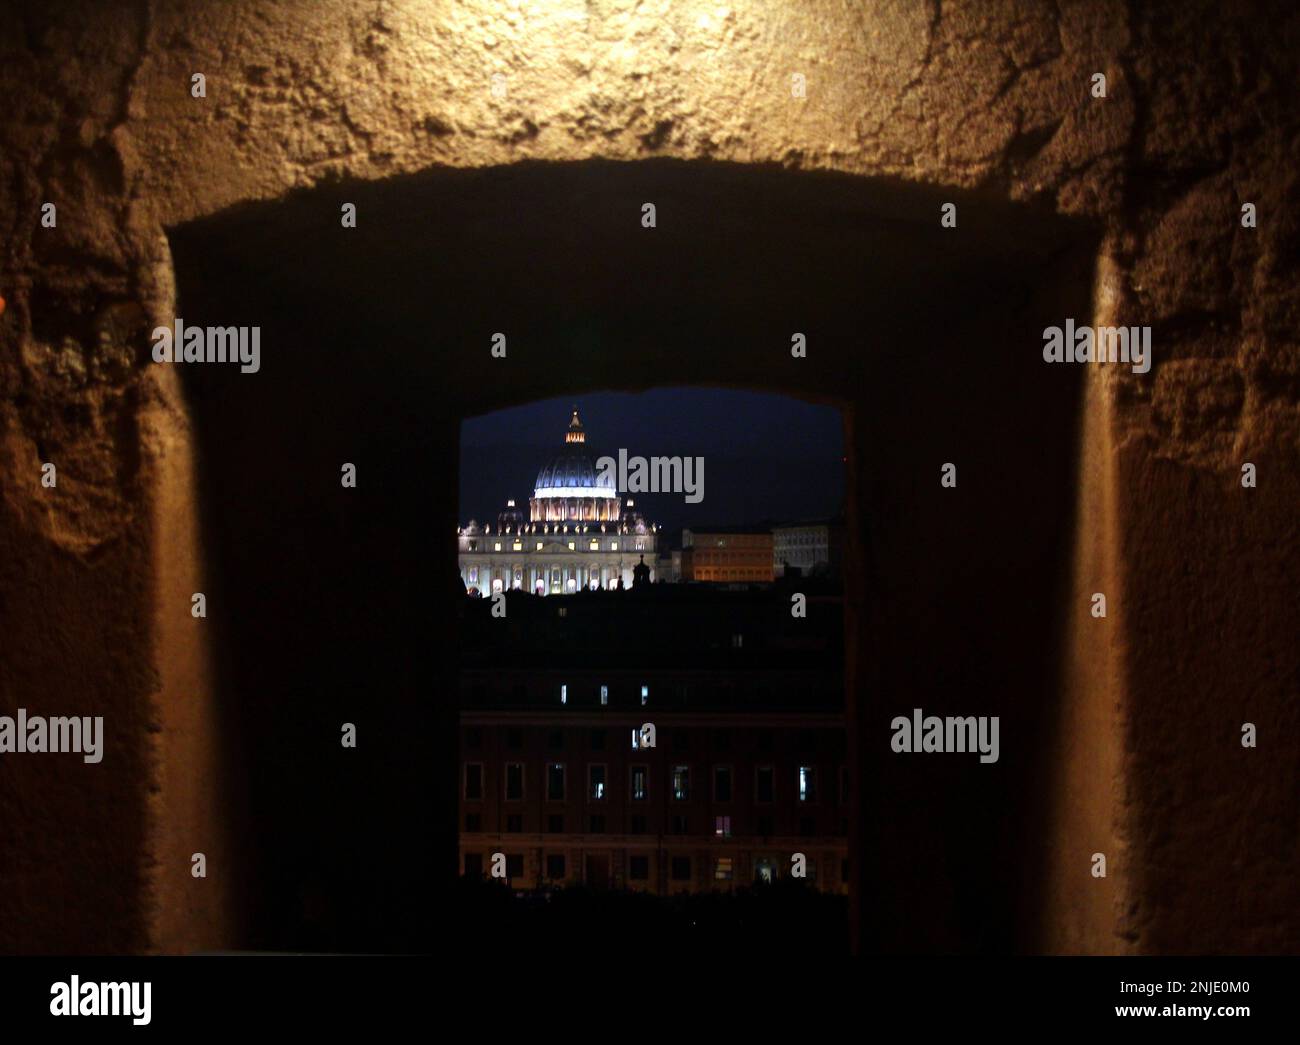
(989, 97)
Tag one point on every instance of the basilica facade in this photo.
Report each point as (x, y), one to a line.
(578, 533)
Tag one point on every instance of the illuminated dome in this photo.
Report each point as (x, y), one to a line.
(572, 471)
(569, 487)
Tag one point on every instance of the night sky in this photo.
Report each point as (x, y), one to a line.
(766, 457)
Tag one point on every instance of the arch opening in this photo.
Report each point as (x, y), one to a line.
(340, 604)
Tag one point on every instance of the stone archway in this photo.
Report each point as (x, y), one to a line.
(992, 99)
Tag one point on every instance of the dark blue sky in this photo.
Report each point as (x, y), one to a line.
(766, 457)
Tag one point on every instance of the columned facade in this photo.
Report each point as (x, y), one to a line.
(579, 534)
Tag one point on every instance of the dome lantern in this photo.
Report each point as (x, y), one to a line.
(570, 489)
(575, 434)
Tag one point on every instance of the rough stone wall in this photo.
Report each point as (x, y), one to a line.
(990, 96)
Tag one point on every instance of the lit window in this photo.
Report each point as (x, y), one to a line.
(613, 545)
(539, 546)
(595, 545)
(681, 783)
(473, 575)
(645, 695)
(636, 738)
(564, 694)
(571, 546)
(722, 827)
(737, 641)
(496, 546)
(722, 869)
(604, 696)
(518, 546)
(807, 784)
(596, 782)
(640, 783)
(563, 611)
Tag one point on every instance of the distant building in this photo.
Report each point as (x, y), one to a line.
(729, 554)
(578, 534)
(744, 766)
(813, 549)
(716, 804)
(669, 567)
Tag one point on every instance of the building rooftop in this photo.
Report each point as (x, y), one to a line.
(659, 627)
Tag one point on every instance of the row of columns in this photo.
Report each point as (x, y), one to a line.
(575, 509)
(500, 578)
